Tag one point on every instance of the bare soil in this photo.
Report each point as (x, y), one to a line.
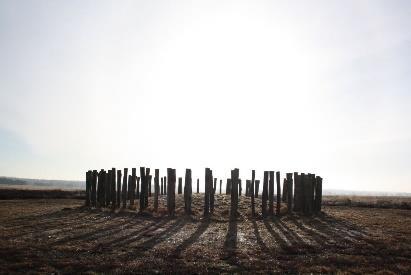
(61, 236)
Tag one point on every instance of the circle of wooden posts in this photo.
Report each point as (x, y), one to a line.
(300, 192)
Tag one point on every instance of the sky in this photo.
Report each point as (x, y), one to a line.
(318, 87)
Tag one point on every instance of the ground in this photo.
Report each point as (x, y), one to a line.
(62, 236)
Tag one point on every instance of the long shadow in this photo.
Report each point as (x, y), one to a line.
(297, 240)
(277, 238)
(260, 241)
(192, 239)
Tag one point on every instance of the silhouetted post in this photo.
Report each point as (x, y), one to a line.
(100, 186)
(314, 182)
(221, 183)
(161, 187)
(211, 192)
(290, 192)
(143, 186)
(138, 188)
(129, 190)
(171, 187)
(308, 194)
(118, 188)
(257, 188)
(113, 188)
(198, 186)
(156, 188)
(149, 187)
(264, 195)
(187, 192)
(285, 191)
(125, 176)
(88, 188)
(180, 185)
(318, 194)
(297, 193)
(247, 188)
(207, 192)
(133, 185)
(93, 188)
(240, 188)
(277, 174)
(271, 194)
(252, 192)
(215, 184)
(108, 188)
(165, 185)
(148, 184)
(234, 193)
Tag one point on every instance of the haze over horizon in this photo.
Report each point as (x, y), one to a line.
(290, 86)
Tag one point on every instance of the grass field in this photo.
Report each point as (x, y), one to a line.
(59, 235)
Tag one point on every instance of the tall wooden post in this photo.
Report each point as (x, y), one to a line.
(148, 184)
(240, 187)
(138, 189)
(290, 192)
(118, 188)
(277, 174)
(234, 193)
(271, 194)
(143, 187)
(171, 187)
(113, 188)
(156, 188)
(149, 187)
(94, 188)
(198, 186)
(125, 177)
(187, 192)
(264, 195)
(221, 183)
(165, 185)
(211, 192)
(207, 192)
(297, 193)
(100, 186)
(318, 194)
(130, 189)
(180, 185)
(215, 184)
(108, 188)
(132, 185)
(257, 188)
(252, 192)
(161, 186)
(88, 188)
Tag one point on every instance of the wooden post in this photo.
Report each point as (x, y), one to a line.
(297, 193)
(161, 186)
(234, 193)
(133, 185)
(252, 192)
(149, 187)
(198, 186)
(113, 188)
(143, 186)
(290, 192)
(308, 194)
(165, 185)
(148, 184)
(257, 188)
(138, 189)
(271, 194)
(100, 187)
(93, 188)
(264, 195)
(247, 188)
(215, 184)
(240, 187)
(180, 185)
(125, 177)
(187, 192)
(129, 190)
(156, 188)
(318, 194)
(211, 192)
(277, 174)
(207, 192)
(88, 188)
(221, 183)
(171, 187)
(285, 191)
(108, 188)
(118, 188)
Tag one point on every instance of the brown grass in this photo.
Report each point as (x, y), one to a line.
(62, 236)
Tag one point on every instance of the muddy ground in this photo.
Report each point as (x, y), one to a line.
(59, 235)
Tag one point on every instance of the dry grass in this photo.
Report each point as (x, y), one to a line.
(61, 236)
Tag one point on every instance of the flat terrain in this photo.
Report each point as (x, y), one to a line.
(59, 235)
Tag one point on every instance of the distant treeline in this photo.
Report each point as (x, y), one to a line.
(41, 182)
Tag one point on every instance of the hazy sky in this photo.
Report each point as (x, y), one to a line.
(307, 86)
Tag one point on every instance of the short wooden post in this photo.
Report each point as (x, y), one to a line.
(257, 188)
(290, 192)
(187, 192)
(271, 194)
(118, 188)
(171, 187)
(156, 188)
(252, 192)
(264, 195)
(198, 186)
(180, 185)
(161, 186)
(221, 183)
(277, 174)
(88, 188)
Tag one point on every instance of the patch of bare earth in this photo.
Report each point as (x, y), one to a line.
(62, 236)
